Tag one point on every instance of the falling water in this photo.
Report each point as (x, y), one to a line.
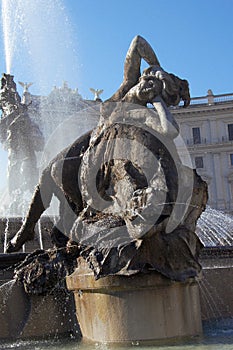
(210, 300)
(38, 41)
(8, 30)
(39, 48)
(40, 235)
(215, 228)
(6, 234)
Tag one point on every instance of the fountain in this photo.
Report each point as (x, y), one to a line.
(125, 239)
(25, 31)
(130, 206)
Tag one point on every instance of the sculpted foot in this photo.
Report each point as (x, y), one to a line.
(18, 240)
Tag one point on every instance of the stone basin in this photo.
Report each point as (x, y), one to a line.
(215, 289)
(143, 307)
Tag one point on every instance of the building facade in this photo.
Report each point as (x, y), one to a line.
(206, 127)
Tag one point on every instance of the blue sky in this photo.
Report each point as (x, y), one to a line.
(85, 42)
(192, 39)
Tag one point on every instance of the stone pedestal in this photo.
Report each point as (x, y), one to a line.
(142, 307)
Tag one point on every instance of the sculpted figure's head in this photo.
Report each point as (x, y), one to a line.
(156, 82)
(145, 91)
(148, 88)
(174, 89)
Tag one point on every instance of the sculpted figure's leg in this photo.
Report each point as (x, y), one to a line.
(139, 48)
(61, 230)
(40, 202)
(65, 173)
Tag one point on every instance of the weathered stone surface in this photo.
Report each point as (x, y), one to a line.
(140, 308)
(24, 316)
(44, 271)
(140, 196)
(123, 226)
(122, 187)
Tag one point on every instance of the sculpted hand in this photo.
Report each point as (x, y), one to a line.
(161, 75)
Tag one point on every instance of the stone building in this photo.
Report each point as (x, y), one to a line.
(33, 130)
(206, 127)
(63, 116)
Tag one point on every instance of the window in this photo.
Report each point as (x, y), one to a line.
(231, 159)
(230, 132)
(197, 135)
(231, 189)
(199, 163)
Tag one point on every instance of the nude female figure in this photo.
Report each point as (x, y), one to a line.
(154, 86)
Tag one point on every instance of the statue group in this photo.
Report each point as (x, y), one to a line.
(127, 203)
(21, 138)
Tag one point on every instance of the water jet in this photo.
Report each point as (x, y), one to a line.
(131, 221)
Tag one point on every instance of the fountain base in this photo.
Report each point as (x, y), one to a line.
(27, 316)
(143, 307)
(23, 316)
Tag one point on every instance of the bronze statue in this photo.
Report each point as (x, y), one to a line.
(20, 136)
(153, 82)
(117, 208)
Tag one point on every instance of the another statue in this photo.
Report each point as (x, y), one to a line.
(25, 86)
(97, 94)
(21, 137)
(10, 100)
(125, 197)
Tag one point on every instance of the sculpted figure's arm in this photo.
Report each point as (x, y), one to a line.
(139, 49)
(168, 123)
(170, 87)
(154, 86)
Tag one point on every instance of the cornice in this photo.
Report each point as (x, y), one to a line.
(190, 111)
(216, 147)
